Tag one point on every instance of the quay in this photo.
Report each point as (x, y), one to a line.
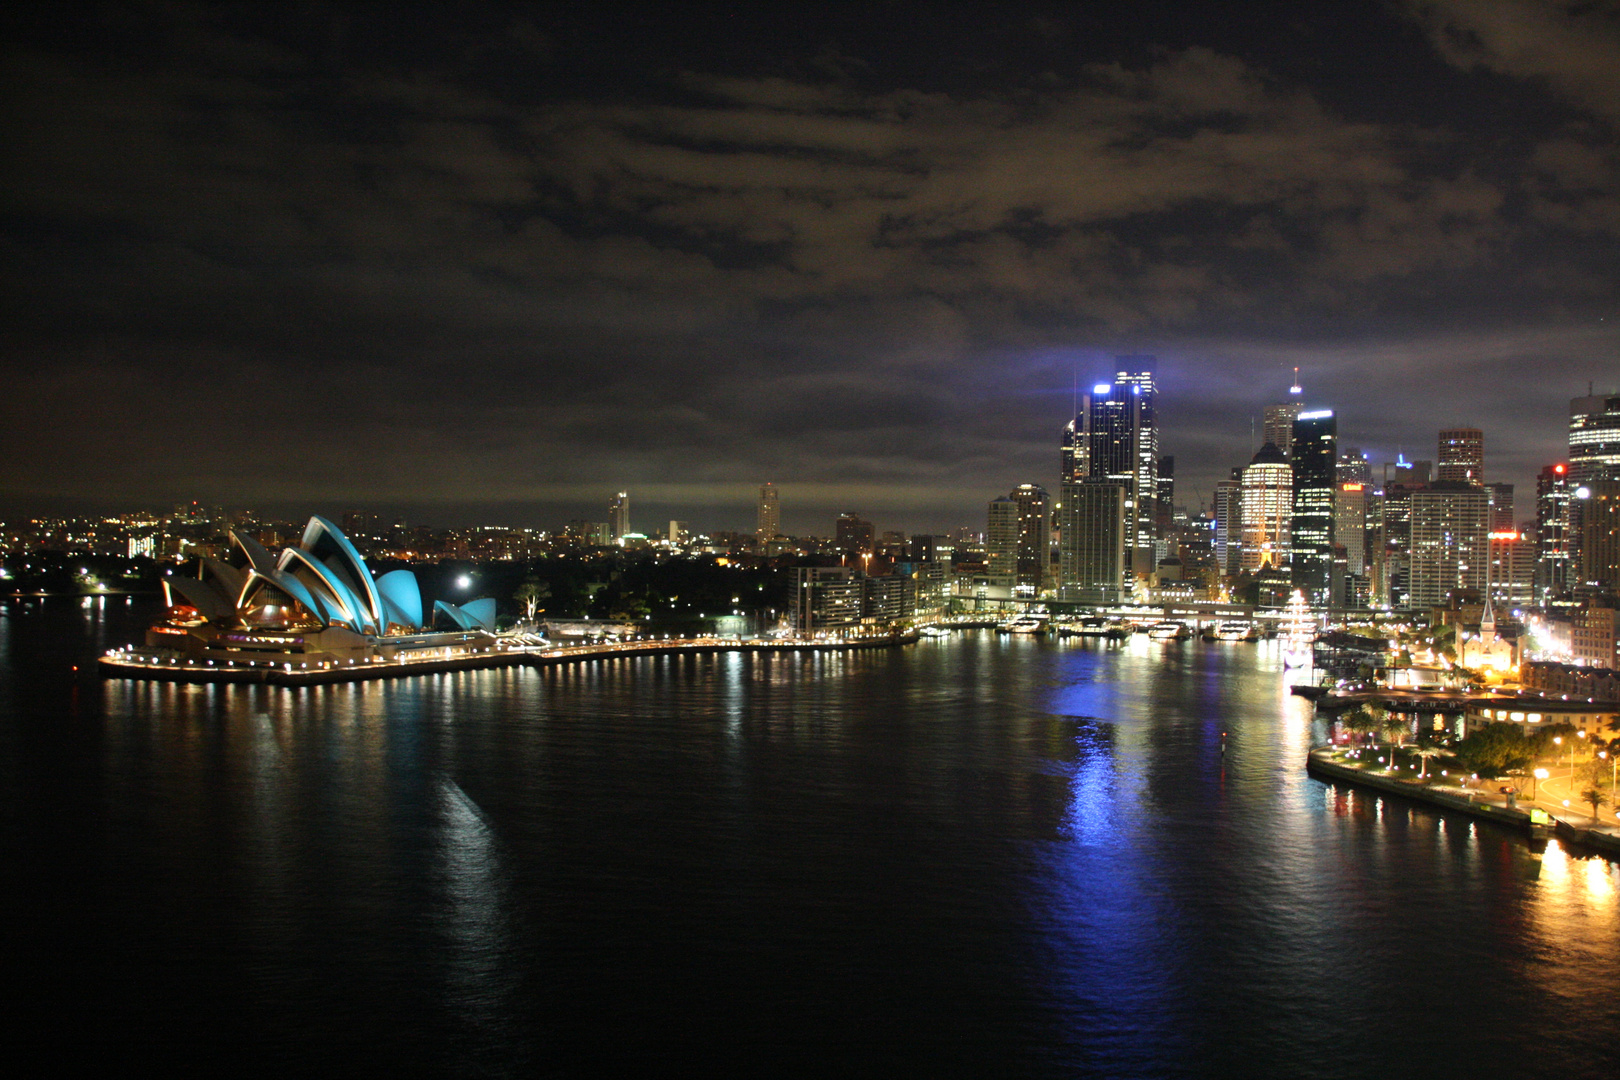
(148, 664)
(1535, 821)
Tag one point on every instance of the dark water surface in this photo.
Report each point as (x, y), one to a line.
(974, 856)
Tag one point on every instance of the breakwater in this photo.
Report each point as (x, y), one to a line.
(133, 665)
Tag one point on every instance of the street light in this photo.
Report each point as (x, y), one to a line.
(1540, 775)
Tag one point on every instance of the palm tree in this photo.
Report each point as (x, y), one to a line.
(1426, 752)
(1395, 728)
(1596, 797)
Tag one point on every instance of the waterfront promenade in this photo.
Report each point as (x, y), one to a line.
(1483, 799)
(136, 664)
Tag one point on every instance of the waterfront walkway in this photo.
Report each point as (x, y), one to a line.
(1481, 799)
(134, 664)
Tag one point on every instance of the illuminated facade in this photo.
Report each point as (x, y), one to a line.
(768, 518)
(1116, 438)
(1599, 503)
(1267, 510)
(1314, 457)
(1450, 543)
(1594, 439)
(315, 602)
(1555, 549)
(1462, 456)
(1091, 544)
(619, 517)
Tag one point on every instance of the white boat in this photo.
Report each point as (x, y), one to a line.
(1025, 624)
(1236, 631)
(1169, 631)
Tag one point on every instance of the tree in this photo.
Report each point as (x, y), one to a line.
(1361, 720)
(1594, 795)
(1495, 750)
(529, 594)
(1426, 752)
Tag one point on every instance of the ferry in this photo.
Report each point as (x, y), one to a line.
(1236, 631)
(1094, 627)
(1169, 631)
(1024, 624)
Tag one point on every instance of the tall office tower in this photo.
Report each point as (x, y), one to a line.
(619, 517)
(1350, 525)
(1001, 541)
(1164, 496)
(1020, 538)
(1315, 460)
(1091, 545)
(1075, 462)
(1599, 502)
(1354, 468)
(1279, 425)
(1501, 508)
(1513, 569)
(1462, 456)
(1229, 524)
(1267, 510)
(1451, 528)
(1594, 439)
(853, 535)
(768, 516)
(1555, 544)
(1279, 419)
(1122, 441)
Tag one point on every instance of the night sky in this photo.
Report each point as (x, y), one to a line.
(490, 263)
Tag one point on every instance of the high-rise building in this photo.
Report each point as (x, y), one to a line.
(1075, 462)
(1354, 468)
(1599, 502)
(1120, 433)
(1091, 548)
(1594, 439)
(1350, 524)
(1555, 543)
(1034, 536)
(1229, 524)
(1450, 545)
(768, 516)
(1164, 498)
(854, 534)
(1001, 541)
(1462, 456)
(1502, 508)
(1267, 510)
(1279, 419)
(1513, 569)
(619, 517)
(1315, 460)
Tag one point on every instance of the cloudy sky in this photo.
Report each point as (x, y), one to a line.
(494, 262)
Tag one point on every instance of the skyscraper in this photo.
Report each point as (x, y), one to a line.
(1599, 502)
(1462, 456)
(1450, 545)
(1229, 524)
(1594, 439)
(1267, 510)
(1555, 546)
(1119, 431)
(768, 516)
(1091, 545)
(854, 534)
(1001, 541)
(1315, 460)
(1019, 537)
(1502, 520)
(619, 517)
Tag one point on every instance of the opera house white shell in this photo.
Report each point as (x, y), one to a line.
(315, 602)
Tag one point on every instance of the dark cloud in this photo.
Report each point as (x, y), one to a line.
(473, 261)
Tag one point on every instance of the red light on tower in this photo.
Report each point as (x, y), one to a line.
(1558, 468)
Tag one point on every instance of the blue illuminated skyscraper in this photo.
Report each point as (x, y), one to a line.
(1115, 438)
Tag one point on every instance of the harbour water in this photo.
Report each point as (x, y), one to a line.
(976, 855)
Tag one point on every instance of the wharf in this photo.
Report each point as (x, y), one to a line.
(1492, 807)
(130, 665)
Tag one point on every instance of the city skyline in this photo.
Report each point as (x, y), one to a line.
(491, 263)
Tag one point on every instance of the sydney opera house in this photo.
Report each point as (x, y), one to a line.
(314, 605)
